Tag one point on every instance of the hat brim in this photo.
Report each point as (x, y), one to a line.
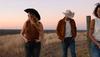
(33, 12)
(28, 10)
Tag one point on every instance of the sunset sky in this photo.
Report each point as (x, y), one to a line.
(12, 15)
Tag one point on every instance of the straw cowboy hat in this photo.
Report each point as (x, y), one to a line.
(69, 13)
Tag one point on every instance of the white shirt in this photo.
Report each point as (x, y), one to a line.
(97, 29)
(68, 29)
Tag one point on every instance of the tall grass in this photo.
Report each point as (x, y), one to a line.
(13, 46)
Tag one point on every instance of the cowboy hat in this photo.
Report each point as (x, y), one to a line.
(33, 12)
(69, 13)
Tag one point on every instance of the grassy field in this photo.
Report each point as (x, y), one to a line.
(13, 46)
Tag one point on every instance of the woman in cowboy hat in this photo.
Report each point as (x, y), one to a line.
(32, 33)
(66, 31)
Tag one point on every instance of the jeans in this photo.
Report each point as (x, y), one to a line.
(95, 51)
(33, 49)
(69, 42)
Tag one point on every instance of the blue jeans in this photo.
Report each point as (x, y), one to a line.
(69, 42)
(95, 51)
(33, 49)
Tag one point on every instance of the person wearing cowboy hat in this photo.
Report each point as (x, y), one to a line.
(32, 33)
(66, 31)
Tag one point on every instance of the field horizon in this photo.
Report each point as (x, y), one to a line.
(17, 31)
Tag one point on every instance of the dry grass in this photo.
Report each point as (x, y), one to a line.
(13, 46)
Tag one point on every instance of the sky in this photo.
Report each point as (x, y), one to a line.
(12, 15)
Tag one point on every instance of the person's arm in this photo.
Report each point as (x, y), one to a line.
(22, 33)
(75, 29)
(41, 32)
(58, 29)
(91, 31)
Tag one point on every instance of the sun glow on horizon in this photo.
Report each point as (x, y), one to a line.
(12, 15)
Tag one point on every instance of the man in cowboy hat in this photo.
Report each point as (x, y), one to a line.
(66, 31)
(32, 33)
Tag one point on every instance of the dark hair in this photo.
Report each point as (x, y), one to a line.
(33, 12)
(96, 8)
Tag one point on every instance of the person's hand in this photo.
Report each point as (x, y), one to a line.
(98, 45)
(25, 40)
(43, 42)
(37, 40)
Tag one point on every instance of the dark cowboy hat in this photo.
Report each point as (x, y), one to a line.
(33, 12)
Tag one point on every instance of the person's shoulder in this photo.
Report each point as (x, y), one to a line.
(26, 23)
(61, 20)
(93, 20)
